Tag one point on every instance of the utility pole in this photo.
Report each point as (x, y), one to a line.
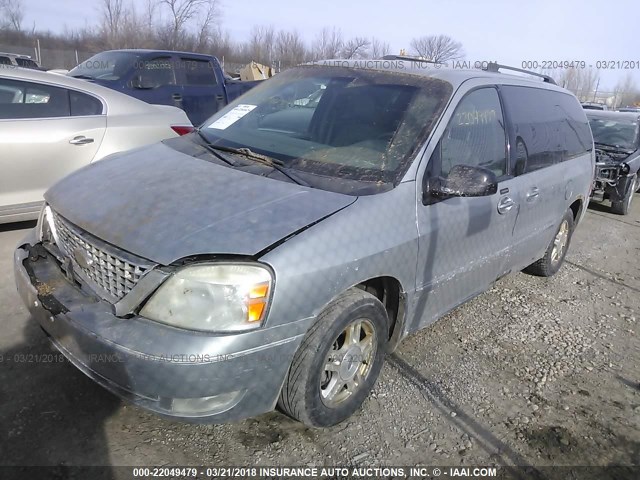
(595, 93)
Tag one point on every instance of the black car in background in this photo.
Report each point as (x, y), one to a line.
(617, 141)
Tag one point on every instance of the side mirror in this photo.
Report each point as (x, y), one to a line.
(463, 181)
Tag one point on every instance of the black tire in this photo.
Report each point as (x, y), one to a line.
(622, 207)
(551, 263)
(301, 396)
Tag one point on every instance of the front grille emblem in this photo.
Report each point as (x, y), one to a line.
(82, 258)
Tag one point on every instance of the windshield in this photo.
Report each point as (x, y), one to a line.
(105, 66)
(617, 132)
(348, 124)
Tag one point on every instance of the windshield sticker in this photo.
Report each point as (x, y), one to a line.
(232, 117)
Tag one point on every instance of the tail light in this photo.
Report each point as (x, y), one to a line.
(182, 129)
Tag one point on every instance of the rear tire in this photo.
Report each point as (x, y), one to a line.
(622, 207)
(338, 361)
(556, 251)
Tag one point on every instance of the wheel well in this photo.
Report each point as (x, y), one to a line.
(575, 208)
(389, 291)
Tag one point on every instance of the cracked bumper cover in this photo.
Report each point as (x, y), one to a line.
(173, 372)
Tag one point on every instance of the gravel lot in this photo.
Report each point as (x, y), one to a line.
(534, 372)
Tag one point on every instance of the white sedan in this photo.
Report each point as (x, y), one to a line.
(51, 125)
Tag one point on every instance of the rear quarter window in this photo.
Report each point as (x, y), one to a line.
(84, 105)
(548, 127)
(26, 63)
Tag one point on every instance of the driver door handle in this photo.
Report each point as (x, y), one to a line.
(80, 140)
(505, 205)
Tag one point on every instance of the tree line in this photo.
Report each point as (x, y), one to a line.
(197, 26)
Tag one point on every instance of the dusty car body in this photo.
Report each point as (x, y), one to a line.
(51, 125)
(617, 140)
(275, 256)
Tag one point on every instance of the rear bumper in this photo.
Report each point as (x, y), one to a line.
(173, 372)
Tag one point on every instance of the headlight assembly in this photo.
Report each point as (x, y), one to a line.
(230, 297)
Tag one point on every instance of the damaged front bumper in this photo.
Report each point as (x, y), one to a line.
(611, 181)
(173, 372)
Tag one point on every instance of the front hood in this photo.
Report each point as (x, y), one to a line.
(164, 205)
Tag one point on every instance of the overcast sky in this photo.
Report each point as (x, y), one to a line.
(509, 31)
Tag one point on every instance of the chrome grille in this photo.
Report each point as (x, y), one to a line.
(111, 274)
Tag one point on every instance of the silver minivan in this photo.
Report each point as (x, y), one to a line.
(273, 257)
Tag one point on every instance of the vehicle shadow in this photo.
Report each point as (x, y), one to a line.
(53, 416)
(600, 207)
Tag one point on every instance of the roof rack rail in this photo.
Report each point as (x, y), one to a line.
(410, 59)
(19, 55)
(495, 67)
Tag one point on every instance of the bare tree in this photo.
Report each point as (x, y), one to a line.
(290, 49)
(582, 82)
(206, 26)
(379, 48)
(181, 12)
(13, 13)
(626, 91)
(112, 19)
(262, 44)
(356, 47)
(328, 44)
(439, 48)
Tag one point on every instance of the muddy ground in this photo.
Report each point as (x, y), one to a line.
(534, 372)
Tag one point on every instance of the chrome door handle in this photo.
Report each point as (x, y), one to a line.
(80, 140)
(532, 194)
(505, 204)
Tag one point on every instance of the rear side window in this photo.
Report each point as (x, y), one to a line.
(5, 61)
(475, 134)
(32, 100)
(198, 72)
(26, 63)
(548, 127)
(84, 105)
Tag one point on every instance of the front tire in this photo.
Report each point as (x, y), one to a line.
(622, 207)
(556, 251)
(338, 361)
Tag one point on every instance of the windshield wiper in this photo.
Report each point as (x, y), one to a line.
(615, 147)
(274, 163)
(212, 149)
(83, 77)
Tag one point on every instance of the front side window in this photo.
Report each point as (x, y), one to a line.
(31, 100)
(335, 123)
(475, 134)
(156, 73)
